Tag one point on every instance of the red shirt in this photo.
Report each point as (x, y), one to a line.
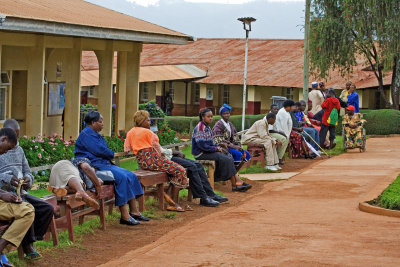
(329, 104)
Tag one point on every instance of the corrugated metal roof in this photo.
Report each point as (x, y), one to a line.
(78, 12)
(150, 74)
(271, 62)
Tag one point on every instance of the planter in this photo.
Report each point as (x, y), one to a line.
(364, 206)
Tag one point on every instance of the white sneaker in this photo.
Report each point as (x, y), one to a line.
(271, 168)
(277, 166)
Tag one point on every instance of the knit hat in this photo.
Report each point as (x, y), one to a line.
(351, 108)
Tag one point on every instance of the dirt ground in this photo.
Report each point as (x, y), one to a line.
(310, 220)
(117, 240)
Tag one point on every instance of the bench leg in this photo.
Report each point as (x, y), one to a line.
(263, 160)
(141, 203)
(70, 226)
(211, 176)
(160, 195)
(21, 252)
(53, 230)
(110, 208)
(102, 215)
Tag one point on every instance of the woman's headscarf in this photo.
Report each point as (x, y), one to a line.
(139, 117)
(224, 108)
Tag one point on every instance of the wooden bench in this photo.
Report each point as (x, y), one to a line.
(67, 208)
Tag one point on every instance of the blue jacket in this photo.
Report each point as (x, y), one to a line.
(91, 145)
(202, 140)
(353, 101)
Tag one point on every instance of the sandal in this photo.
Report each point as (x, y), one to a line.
(87, 199)
(33, 256)
(174, 208)
(59, 192)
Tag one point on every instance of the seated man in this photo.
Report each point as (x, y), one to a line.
(279, 135)
(198, 179)
(13, 167)
(11, 207)
(259, 134)
(311, 134)
(352, 127)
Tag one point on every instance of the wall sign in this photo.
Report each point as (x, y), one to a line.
(56, 101)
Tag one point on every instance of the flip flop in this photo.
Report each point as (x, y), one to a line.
(188, 208)
(32, 256)
(173, 208)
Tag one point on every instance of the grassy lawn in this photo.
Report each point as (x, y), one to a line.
(390, 197)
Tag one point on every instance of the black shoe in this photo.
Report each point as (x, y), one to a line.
(139, 217)
(247, 185)
(208, 202)
(130, 221)
(240, 188)
(281, 162)
(220, 199)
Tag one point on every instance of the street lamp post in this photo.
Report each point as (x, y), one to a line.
(247, 27)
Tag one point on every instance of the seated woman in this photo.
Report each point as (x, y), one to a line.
(203, 148)
(151, 156)
(91, 145)
(68, 177)
(298, 145)
(352, 127)
(225, 132)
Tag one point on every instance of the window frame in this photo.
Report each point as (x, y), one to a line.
(145, 92)
(196, 94)
(3, 87)
(226, 94)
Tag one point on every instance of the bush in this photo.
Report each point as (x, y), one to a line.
(115, 143)
(166, 135)
(390, 198)
(41, 151)
(182, 124)
(154, 110)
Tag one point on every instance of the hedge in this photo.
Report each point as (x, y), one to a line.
(390, 198)
(379, 122)
(182, 124)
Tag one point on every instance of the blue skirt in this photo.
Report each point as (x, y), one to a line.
(127, 185)
(237, 155)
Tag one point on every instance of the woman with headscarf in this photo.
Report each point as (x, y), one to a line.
(145, 144)
(204, 148)
(91, 145)
(224, 132)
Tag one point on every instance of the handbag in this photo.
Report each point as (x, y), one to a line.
(106, 176)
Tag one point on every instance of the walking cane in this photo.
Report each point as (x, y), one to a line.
(317, 144)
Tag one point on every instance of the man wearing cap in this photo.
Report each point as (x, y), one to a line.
(352, 126)
(316, 98)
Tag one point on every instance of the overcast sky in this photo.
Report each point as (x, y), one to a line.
(276, 19)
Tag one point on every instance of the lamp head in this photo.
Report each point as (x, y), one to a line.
(247, 22)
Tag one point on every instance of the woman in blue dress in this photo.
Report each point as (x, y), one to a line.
(224, 132)
(91, 145)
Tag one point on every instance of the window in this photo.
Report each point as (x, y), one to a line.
(3, 103)
(196, 99)
(145, 92)
(289, 93)
(225, 97)
(171, 90)
(4, 78)
(91, 91)
(210, 94)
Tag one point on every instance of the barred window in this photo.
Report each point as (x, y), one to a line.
(225, 97)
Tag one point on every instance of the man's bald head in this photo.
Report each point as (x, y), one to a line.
(12, 124)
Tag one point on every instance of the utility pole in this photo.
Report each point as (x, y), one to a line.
(306, 47)
(247, 27)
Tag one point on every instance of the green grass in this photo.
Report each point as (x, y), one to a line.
(170, 215)
(390, 197)
(41, 192)
(130, 165)
(338, 149)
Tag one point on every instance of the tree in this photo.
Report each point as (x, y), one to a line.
(344, 31)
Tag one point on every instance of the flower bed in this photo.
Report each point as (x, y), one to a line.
(390, 197)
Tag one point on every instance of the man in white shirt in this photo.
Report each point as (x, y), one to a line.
(283, 119)
(278, 135)
(316, 97)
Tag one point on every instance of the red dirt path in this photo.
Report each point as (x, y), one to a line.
(311, 219)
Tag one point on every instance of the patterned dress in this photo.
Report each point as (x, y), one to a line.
(353, 136)
(149, 156)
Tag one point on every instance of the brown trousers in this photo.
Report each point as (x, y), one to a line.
(23, 215)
